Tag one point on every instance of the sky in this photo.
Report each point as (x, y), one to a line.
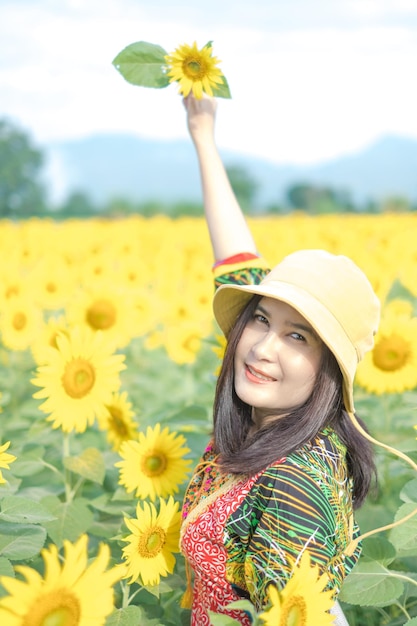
(311, 80)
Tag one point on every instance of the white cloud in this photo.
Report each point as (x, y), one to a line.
(302, 91)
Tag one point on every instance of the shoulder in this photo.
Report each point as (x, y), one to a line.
(323, 451)
(315, 470)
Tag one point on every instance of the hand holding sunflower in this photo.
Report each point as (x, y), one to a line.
(195, 70)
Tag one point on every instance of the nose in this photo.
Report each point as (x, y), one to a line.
(267, 347)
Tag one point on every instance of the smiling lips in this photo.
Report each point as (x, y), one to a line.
(257, 376)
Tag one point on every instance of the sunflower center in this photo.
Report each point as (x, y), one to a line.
(294, 612)
(391, 353)
(19, 321)
(154, 464)
(58, 608)
(11, 291)
(117, 422)
(194, 68)
(101, 315)
(78, 378)
(192, 343)
(151, 542)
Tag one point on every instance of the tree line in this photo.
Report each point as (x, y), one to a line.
(23, 193)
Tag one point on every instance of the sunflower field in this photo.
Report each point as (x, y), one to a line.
(108, 362)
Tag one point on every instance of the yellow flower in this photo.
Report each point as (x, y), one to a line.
(107, 308)
(398, 307)
(52, 281)
(194, 69)
(5, 460)
(119, 423)
(153, 465)
(303, 601)
(46, 339)
(74, 593)
(78, 379)
(20, 323)
(391, 367)
(219, 349)
(183, 341)
(153, 540)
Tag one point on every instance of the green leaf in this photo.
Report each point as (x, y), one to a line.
(142, 64)
(130, 616)
(409, 492)
(404, 537)
(89, 464)
(240, 605)
(379, 549)
(23, 511)
(221, 620)
(370, 584)
(411, 622)
(6, 568)
(29, 463)
(222, 91)
(72, 519)
(21, 541)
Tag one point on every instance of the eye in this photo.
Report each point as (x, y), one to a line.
(259, 317)
(298, 337)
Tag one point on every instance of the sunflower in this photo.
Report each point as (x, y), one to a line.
(182, 341)
(153, 540)
(303, 601)
(52, 281)
(219, 350)
(108, 308)
(154, 465)
(78, 379)
(5, 460)
(391, 367)
(64, 595)
(195, 70)
(118, 422)
(46, 339)
(20, 323)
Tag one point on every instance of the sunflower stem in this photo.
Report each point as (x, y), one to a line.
(78, 484)
(67, 473)
(125, 596)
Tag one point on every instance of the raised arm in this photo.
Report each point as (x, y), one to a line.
(229, 232)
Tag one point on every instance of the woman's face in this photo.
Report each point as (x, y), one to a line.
(276, 360)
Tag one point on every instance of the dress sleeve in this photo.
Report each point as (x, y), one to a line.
(241, 269)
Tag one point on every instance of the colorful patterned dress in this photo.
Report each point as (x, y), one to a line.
(239, 533)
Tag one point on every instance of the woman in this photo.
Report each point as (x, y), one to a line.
(286, 466)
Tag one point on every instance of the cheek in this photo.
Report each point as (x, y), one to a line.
(242, 346)
(307, 368)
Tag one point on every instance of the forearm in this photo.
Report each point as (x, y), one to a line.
(228, 229)
(227, 226)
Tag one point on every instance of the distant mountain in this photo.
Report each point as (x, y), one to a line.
(122, 165)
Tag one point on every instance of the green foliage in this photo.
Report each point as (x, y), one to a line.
(78, 204)
(223, 90)
(142, 63)
(244, 185)
(21, 193)
(318, 200)
(382, 589)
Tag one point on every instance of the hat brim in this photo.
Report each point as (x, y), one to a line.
(230, 300)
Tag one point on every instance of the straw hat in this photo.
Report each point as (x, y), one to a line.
(329, 291)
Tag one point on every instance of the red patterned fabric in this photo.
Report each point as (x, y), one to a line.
(203, 544)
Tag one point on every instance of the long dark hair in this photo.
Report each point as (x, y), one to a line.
(240, 453)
